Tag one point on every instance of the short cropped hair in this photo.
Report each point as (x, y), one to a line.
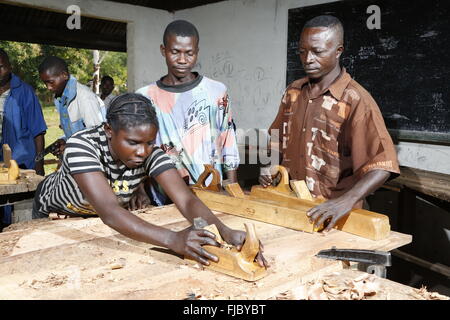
(130, 110)
(326, 21)
(4, 54)
(181, 28)
(55, 64)
(107, 78)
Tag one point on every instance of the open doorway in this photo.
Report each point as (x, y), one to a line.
(25, 59)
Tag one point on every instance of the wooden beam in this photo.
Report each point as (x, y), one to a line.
(431, 183)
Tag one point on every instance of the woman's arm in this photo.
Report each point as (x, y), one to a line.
(98, 193)
(191, 207)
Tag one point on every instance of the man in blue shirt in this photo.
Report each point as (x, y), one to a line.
(22, 124)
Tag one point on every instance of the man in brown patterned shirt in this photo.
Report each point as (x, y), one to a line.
(329, 130)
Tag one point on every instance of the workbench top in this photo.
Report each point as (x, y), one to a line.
(85, 259)
(27, 182)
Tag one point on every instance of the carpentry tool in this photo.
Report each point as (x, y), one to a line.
(54, 146)
(9, 173)
(364, 223)
(371, 261)
(240, 204)
(279, 205)
(239, 264)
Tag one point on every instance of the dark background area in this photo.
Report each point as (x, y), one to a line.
(404, 65)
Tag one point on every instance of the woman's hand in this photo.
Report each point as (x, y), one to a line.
(139, 199)
(237, 239)
(189, 243)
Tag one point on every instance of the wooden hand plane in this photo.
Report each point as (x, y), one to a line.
(240, 264)
(9, 173)
(280, 205)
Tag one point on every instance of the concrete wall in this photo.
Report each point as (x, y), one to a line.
(243, 44)
(144, 32)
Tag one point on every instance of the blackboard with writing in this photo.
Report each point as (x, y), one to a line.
(405, 64)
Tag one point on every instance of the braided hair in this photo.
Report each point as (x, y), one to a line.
(130, 110)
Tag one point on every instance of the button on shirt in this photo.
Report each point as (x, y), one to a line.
(333, 139)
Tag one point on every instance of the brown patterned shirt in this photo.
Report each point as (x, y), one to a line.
(333, 139)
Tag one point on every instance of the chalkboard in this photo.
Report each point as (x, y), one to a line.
(405, 64)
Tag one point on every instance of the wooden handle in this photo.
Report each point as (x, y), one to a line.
(215, 182)
(283, 186)
(251, 245)
(7, 155)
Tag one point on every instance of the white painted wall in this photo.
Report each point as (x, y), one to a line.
(144, 32)
(243, 44)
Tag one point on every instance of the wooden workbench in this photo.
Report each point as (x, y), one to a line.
(75, 259)
(22, 190)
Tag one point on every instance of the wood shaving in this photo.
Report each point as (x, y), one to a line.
(117, 264)
(325, 289)
(53, 280)
(424, 294)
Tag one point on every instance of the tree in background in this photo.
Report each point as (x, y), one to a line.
(26, 57)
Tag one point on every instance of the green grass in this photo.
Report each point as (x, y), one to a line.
(51, 117)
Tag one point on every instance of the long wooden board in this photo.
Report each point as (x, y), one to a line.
(74, 259)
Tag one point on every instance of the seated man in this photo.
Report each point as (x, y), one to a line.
(329, 130)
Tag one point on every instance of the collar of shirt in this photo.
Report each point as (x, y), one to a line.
(15, 81)
(179, 88)
(69, 93)
(336, 88)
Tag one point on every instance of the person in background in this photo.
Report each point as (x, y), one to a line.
(106, 88)
(22, 124)
(77, 105)
(194, 111)
(103, 166)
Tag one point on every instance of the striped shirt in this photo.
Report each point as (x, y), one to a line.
(88, 151)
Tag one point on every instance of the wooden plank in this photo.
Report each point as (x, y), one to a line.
(72, 259)
(431, 183)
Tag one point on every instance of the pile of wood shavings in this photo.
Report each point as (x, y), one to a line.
(53, 280)
(331, 289)
(423, 294)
